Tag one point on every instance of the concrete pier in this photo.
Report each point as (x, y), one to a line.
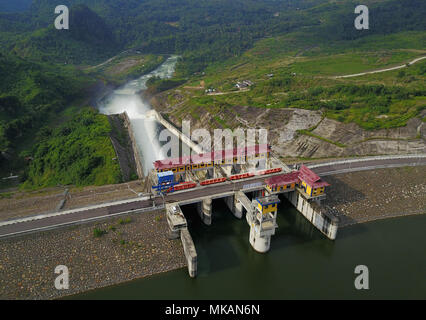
(262, 222)
(235, 206)
(187, 140)
(210, 173)
(176, 220)
(236, 168)
(324, 221)
(137, 155)
(178, 227)
(227, 170)
(190, 252)
(204, 209)
(260, 243)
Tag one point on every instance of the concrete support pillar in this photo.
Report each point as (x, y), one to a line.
(227, 170)
(235, 206)
(332, 229)
(236, 168)
(210, 173)
(204, 209)
(260, 244)
(172, 235)
(261, 164)
(324, 221)
(190, 252)
(180, 177)
(258, 194)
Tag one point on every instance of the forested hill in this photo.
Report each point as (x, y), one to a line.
(203, 31)
(14, 5)
(30, 94)
(89, 39)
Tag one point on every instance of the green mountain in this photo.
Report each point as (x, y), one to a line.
(202, 31)
(14, 5)
(30, 95)
(89, 39)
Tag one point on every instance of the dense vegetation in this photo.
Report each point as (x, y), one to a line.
(79, 152)
(14, 6)
(297, 70)
(30, 95)
(89, 39)
(202, 31)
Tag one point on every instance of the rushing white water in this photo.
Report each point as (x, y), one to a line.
(127, 99)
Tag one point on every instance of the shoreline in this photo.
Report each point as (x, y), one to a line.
(382, 218)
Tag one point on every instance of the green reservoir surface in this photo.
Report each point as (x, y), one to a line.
(302, 263)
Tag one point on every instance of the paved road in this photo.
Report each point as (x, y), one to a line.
(360, 165)
(381, 70)
(189, 196)
(33, 224)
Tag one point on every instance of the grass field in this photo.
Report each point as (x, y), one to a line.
(351, 63)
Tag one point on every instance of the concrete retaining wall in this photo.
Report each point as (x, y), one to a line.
(204, 209)
(138, 157)
(235, 206)
(421, 157)
(195, 147)
(324, 221)
(190, 252)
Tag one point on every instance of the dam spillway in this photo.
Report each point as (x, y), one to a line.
(127, 99)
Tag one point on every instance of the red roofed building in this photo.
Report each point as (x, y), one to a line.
(285, 182)
(204, 161)
(311, 183)
(308, 182)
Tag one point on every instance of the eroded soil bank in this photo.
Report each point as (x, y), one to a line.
(300, 133)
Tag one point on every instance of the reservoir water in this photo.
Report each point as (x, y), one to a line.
(302, 263)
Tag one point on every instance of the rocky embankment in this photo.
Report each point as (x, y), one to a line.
(327, 138)
(122, 143)
(377, 194)
(133, 246)
(123, 140)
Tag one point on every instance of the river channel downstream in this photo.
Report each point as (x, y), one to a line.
(127, 98)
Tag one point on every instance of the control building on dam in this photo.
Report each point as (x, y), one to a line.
(234, 175)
